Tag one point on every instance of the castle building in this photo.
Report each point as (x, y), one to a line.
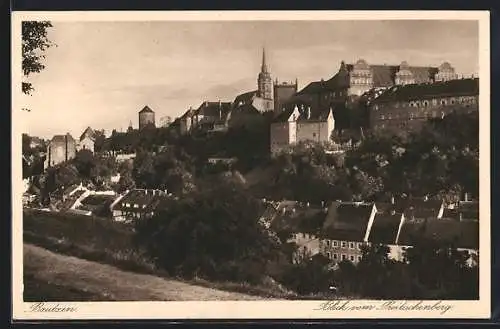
(301, 124)
(146, 117)
(87, 140)
(61, 148)
(361, 77)
(400, 109)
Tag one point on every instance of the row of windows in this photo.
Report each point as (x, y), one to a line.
(343, 257)
(435, 102)
(343, 244)
(411, 116)
(135, 205)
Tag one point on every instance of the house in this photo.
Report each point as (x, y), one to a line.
(385, 230)
(186, 121)
(137, 204)
(464, 235)
(300, 124)
(87, 140)
(302, 221)
(61, 148)
(346, 229)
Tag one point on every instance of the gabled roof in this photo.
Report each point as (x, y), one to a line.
(459, 87)
(320, 115)
(245, 97)
(214, 109)
(383, 76)
(146, 109)
(463, 234)
(297, 218)
(385, 228)
(419, 207)
(62, 138)
(348, 216)
(143, 198)
(189, 113)
(89, 132)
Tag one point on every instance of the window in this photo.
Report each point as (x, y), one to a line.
(314, 134)
(344, 257)
(443, 102)
(434, 102)
(351, 258)
(426, 103)
(344, 244)
(329, 255)
(328, 243)
(335, 243)
(136, 205)
(452, 101)
(335, 256)
(359, 258)
(359, 245)
(351, 245)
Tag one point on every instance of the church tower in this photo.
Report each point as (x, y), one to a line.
(264, 82)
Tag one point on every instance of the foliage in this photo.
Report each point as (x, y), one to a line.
(308, 277)
(215, 234)
(34, 43)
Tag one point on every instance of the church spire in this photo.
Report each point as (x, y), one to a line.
(264, 65)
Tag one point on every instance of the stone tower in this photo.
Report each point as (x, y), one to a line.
(264, 82)
(146, 117)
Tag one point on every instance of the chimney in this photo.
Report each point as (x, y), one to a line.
(466, 197)
(392, 199)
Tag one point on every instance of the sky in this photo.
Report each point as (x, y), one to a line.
(102, 73)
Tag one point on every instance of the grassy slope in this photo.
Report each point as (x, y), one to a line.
(108, 242)
(56, 277)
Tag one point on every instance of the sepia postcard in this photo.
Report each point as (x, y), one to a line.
(251, 165)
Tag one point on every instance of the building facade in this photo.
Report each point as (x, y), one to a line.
(406, 108)
(61, 148)
(146, 117)
(300, 125)
(283, 92)
(87, 140)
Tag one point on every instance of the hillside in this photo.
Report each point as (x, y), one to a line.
(77, 279)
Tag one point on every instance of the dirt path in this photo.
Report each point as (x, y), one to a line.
(112, 283)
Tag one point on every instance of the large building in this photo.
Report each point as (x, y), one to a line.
(361, 77)
(146, 117)
(61, 148)
(406, 108)
(299, 125)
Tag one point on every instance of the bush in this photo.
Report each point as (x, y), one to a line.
(213, 234)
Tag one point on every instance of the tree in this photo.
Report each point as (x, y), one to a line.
(213, 234)
(34, 43)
